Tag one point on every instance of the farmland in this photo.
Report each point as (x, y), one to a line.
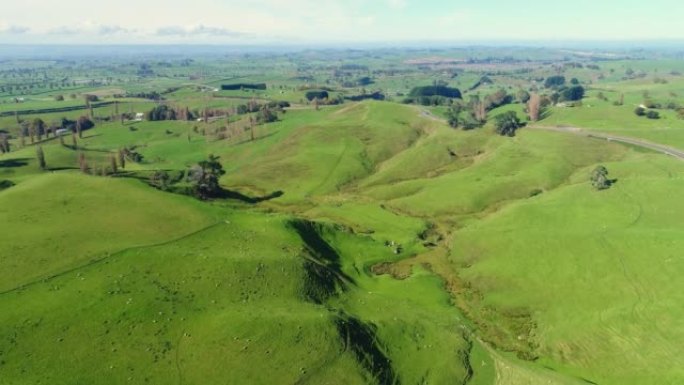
(308, 231)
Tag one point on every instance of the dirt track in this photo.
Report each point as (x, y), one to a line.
(667, 150)
(661, 148)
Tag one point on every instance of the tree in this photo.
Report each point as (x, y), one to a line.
(534, 107)
(497, 99)
(38, 127)
(122, 158)
(112, 161)
(554, 81)
(522, 96)
(41, 157)
(507, 123)
(599, 178)
(267, 115)
(574, 81)
(4, 143)
(479, 110)
(160, 180)
(205, 178)
(164, 112)
(454, 115)
(252, 123)
(82, 163)
(572, 94)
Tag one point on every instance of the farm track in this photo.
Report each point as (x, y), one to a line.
(660, 148)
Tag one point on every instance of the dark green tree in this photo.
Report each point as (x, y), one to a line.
(599, 178)
(160, 179)
(38, 127)
(205, 178)
(554, 81)
(4, 143)
(522, 96)
(508, 123)
(41, 157)
(572, 93)
(267, 115)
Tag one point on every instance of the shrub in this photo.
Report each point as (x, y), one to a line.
(572, 94)
(243, 86)
(437, 90)
(5, 184)
(507, 123)
(311, 95)
(599, 178)
(554, 81)
(161, 112)
(653, 115)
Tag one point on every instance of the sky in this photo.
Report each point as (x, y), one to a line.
(255, 22)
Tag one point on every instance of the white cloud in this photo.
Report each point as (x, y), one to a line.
(197, 30)
(11, 29)
(112, 30)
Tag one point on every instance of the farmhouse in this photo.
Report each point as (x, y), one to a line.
(139, 116)
(62, 132)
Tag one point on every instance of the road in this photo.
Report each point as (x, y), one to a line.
(663, 149)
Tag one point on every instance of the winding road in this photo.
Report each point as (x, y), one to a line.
(661, 148)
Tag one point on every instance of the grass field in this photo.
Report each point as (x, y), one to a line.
(365, 243)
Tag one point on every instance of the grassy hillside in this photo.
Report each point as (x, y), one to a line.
(61, 221)
(398, 250)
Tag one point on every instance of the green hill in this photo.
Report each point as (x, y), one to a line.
(397, 251)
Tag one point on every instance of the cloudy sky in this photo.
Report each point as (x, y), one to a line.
(330, 21)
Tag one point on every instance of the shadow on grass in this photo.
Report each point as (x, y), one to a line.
(144, 176)
(12, 163)
(229, 194)
(255, 139)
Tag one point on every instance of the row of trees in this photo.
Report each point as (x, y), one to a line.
(37, 129)
(473, 114)
(651, 114)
